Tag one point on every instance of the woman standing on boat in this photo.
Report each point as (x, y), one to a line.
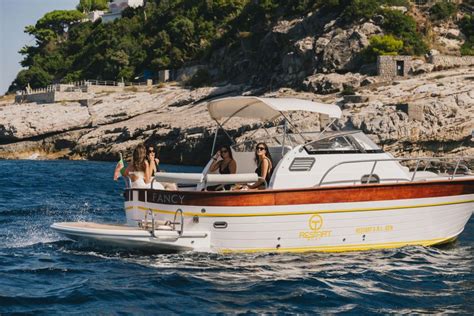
(264, 166)
(139, 170)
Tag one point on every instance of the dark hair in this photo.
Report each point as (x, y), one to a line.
(228, 150)
(139, 156)
(268, 155)
(152, 146)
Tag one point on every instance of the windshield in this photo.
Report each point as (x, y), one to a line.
(348, 142)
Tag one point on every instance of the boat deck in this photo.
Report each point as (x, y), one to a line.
(97, 226)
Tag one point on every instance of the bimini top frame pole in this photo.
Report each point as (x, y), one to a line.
(265, 109)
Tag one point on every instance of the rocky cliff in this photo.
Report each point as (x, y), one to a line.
(427, 114)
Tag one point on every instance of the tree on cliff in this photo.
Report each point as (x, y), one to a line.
(54, 25)
(91, 5)
(467, 27)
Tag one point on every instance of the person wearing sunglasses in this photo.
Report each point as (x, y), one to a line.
(139, 171)
(264, 166)
(154, 162)
(152, 159)
(225, 163)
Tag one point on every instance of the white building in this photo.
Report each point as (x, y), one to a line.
(117, 6)
(95, 15)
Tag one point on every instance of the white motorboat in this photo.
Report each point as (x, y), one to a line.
(329, 191)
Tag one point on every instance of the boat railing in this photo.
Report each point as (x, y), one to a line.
(128, 182)
(455, 162)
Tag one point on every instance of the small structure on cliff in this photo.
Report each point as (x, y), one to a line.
(390, 67)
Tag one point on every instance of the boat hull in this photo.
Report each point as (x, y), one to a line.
(320, 219)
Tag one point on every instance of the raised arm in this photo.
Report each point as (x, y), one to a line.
(216, 163)
(126, 173)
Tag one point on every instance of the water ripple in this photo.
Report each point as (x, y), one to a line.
(42, 273)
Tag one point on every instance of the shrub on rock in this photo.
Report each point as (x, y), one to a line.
(442, 10)
(382, 45)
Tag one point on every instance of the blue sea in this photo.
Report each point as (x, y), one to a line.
(43, 273)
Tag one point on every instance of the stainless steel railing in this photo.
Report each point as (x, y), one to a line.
(457, 165)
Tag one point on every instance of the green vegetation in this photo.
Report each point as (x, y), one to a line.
(404, 27)
(442, 10)
(382, 45)
(467, 28)
(169, 34)
(348, 90)
(91, 5)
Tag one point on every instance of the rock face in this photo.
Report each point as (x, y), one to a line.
(448, 38)
(331, 83)
(428, 114)
(339, 48)
(39, 119)
(112, 123)
(296, 49)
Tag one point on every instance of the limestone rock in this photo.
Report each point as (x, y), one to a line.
(368, 81)
(331, 83)
(419, 67)
(20, 121)
(429, 114)
(340, 53)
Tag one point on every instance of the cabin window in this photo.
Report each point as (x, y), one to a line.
(367, 178)
(342, 143)
(339, 144)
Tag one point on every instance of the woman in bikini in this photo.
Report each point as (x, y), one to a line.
(264, 166)
(225, 163)
(139, 170)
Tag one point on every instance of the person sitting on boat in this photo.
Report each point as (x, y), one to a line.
(152, 158)
(139, 170)
(225, 163)
(264, 166)
(155, 167)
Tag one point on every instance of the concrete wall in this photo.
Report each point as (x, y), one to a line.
(444, 62)
(97, 88)
(164, 75)
(52, 97)
(43, 97)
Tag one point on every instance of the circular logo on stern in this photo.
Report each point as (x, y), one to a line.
(315, 222)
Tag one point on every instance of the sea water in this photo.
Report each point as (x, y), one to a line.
(41, 272)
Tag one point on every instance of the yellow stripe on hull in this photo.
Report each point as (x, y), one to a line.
(345, 248)
(371, 209)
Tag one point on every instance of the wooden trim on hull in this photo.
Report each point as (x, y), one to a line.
(310, 212)
(317, 195)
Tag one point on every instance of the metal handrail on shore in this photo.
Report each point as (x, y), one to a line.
(456, 165)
